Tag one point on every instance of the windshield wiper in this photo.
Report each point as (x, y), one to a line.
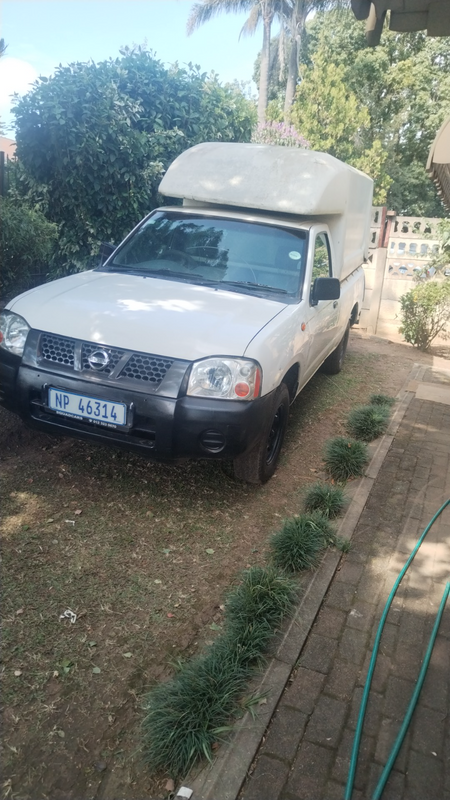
(152, 272)
(254, 285)
(170, 272)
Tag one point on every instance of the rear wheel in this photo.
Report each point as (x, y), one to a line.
(259, 464)
(333, 364)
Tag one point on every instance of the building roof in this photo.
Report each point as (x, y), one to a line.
(7, 146)
(432, 16)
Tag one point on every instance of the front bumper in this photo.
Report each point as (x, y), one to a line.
(161, 427)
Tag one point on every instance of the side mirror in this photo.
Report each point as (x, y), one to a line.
(106, 250)
(325, 289)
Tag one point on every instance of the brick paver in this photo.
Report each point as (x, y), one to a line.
(305, 754)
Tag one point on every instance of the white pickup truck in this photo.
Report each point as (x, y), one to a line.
(204, 324)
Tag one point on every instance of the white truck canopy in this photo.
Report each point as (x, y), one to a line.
(305, 184)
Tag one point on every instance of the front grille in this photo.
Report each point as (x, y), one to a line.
(142, 368)
(151, 369)
(58, 350)
(113, 355)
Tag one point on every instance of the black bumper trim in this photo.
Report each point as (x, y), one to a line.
(163, 428)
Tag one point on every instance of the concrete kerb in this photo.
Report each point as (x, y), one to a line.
(223, 779)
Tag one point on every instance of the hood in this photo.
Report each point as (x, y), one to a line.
(152, 315)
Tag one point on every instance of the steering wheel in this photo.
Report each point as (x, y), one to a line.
(177, 255)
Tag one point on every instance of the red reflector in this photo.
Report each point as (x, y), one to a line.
(242, 389)
(1, 336)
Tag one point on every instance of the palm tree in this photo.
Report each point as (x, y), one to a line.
(259, 11)
(295, 13)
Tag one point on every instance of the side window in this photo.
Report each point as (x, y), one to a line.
(322, 262)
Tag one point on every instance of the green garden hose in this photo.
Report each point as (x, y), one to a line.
(365, 697)
(412, 703)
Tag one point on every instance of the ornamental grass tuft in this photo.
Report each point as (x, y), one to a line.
(186, 717)
(264, 595)
(381, 400)
(368, 422)
(345, 458)
(300, 541)
(327, 499)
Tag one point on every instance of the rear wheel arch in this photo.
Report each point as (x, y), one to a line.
(333, 364)
(354, 316)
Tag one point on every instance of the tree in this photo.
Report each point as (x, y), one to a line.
(27, 242)
(404, 85)
(333, 120)
(296, 13)
(259, 11)
(286, 48)
(3, 48)
(94, 140)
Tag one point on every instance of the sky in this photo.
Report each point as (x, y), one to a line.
(41, 34)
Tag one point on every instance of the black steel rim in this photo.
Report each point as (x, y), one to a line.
(274, 438)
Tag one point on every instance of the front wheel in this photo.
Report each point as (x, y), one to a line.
(333, 364)
(259, 464)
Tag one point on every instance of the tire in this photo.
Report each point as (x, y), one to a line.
(333, 364)
(259, 464)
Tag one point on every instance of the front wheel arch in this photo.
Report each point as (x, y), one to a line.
(259, 464)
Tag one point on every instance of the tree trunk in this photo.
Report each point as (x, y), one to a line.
(298, 22)
(264, 69)
(291, 78)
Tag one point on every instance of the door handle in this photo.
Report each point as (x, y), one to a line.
(335, 304)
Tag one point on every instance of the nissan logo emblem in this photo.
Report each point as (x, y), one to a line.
(99, 359)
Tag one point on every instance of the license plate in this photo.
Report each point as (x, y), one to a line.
(81, 406)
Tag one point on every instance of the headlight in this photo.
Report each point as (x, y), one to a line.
(13, 332)
(226, 378)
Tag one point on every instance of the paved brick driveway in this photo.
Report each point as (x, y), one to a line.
(306, 750)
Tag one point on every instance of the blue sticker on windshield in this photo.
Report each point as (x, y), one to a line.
(294, 255)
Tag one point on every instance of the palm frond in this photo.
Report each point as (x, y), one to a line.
(207, 9)
(250, 25)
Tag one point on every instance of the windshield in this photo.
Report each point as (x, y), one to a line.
(229, 253)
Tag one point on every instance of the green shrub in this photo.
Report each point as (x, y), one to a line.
(327, 499)
(188, 715)
(368, 422)
(381, 400)
(298, 544)
(425, 313)
(345, 458)
(27, 242)
(98, 167)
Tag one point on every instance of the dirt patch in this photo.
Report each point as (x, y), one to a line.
(143, 554)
